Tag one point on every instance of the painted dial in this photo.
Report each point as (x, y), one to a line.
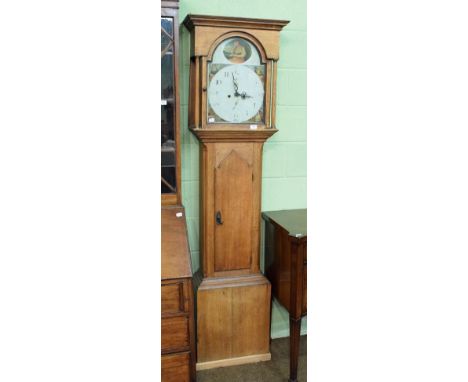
(235, 93)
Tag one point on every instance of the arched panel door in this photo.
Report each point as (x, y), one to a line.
(233, 213)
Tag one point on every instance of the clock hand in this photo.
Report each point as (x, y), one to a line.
(236, 86)
(244, 95)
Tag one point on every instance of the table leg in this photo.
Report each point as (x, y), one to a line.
(294, 336)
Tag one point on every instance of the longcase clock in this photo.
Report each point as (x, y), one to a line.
(232, 113)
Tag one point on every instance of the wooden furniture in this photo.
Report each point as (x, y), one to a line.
(178, 353)
(177, 306)
(170, 106)
(231, 112)
(286, 268)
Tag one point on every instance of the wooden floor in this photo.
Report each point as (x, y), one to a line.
(276, 370)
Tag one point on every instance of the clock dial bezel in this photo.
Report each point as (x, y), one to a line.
(236, 94)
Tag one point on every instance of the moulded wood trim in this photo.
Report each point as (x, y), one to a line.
(225, 282)
(192, 21)
(212, 135)
(234, 361)
(168, 199)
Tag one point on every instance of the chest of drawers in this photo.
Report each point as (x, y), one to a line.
(177, 307)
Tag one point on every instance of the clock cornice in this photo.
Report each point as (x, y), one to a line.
(192, 21)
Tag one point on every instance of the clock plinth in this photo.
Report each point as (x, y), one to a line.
(233, 320)
(232, 113)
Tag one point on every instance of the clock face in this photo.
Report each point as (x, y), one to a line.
(236, 94)
(236, 87)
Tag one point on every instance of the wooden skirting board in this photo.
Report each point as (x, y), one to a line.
(234, 361)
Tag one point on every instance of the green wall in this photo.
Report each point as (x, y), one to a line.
(284, 155)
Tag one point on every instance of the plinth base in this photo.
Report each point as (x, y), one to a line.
(234, 361)
(233, 321)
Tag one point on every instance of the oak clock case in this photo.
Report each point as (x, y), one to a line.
(232, 113)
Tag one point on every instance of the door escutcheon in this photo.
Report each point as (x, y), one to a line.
(219, 219)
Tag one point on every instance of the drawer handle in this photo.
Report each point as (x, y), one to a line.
(219, 219)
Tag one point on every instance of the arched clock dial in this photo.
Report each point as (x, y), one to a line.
(236, 83)
(236, 93)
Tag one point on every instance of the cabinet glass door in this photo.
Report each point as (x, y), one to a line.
(168, 141)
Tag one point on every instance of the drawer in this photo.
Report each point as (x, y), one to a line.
(172, 298)
(175, 367)
(174, 333)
